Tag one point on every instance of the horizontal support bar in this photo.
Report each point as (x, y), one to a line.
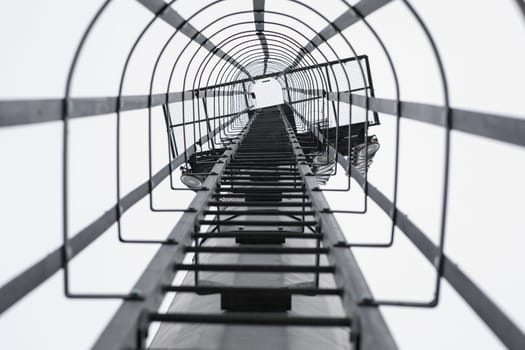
(315, 92)
(236, 170)
(305, 100)
(257, 223)
(262, 163)
(258, 212)
(261, 319)
(20, 112)
(272, 290)
(254, 190)
(285, 156)
(260, 183)
(266, 157)
(274, 172)
(290, 71)
(260, 204)
(262, 194)
(267, 177)
(23, 112)
(492, 126)
(242, 234)
(255, 268)
(255, 167)
(212, 118)
(256, 250)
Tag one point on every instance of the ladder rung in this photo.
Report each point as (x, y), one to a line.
(258, 250)
(263, 162)
(263, 153)
(278, 156)
(255, 268)
(262, 194)
(250, 190)
(252, 318)
(262, 184)
(255, 167)
(257, 223)
(272, 290)
(268, 142)
(256, 146)
(260, 204)
(265, 159)
(242, 234)
(262, 177)
(273, 172)
(259, 212)
(260, 133)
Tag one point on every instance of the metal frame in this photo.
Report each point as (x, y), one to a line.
(310, 92)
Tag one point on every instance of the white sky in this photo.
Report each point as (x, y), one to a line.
(483, 51)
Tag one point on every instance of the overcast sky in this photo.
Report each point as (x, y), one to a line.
(482, 45)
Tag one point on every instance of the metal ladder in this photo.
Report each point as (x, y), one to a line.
(262, 178)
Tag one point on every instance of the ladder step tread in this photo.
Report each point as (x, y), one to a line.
(257, 223)
(257, 250)
(241, 234)
(252, 318)
(262, 194)
(260, 204)
(256, 268)
(259, 212)
(269, 290)
(270, 183)
(258, 190)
